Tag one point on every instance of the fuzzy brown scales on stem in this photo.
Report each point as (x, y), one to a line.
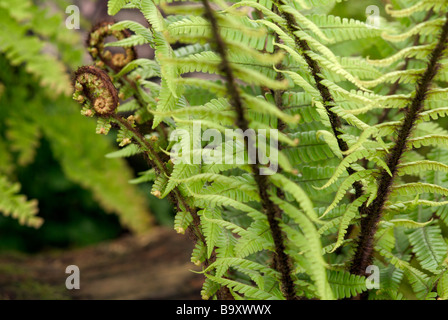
(96, 46)
(364, 251)
(154, 160)
(272, 210)
(327, 98)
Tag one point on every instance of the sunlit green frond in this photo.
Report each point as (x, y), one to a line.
(346, 285)
(429, 247)
(16, 205)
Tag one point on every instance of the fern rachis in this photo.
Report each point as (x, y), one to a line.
(363, 254)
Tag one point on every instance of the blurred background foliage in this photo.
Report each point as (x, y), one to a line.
(54, 175)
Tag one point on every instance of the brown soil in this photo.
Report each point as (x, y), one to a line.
(153, 266)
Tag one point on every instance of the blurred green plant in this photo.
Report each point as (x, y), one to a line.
(37, 52)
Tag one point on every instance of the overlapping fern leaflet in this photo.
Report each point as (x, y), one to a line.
(281, 65)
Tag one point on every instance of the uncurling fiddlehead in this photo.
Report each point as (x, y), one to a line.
(96, 46)
(95, 90)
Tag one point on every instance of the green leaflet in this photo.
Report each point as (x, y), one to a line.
(348, 216)
(243, 263)
(113, 6)
(418, 279)
(16, 205)
(418, 52)
(127, 151)
(297, 193)
(247, 290)
(143, 63)
(258, 238)
(24, 136)
(312, 246)
(211, 230)
(226, 201)
(410, 224)
(182, 221)
(442, 287)
(403, 205)
(209, 63)
(22, 48)
(135, 27)
(432, 139)
(315, 267)
(429, 247)
(419, 166)
(342, 29)
(416, 188)
(152, 14)
(346, 285)
(345, 163)
(435, 5)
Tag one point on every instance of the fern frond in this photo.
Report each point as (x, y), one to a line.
(24, 136)
(349, 215)
(418, 280)
(298, 194)
(429, 247)
(113, 6)
(423, 5)
(346, 285)
(125, 152)
(342, 29)
(442, 287)
(418, 188)
(429, 140)
(247, 290)
(417, 167)
(417, 52)
(16, 205)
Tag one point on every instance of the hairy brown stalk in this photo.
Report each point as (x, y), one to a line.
(272, 210)
(194, 229)
(161, 128)
(156, 162)
(327, 98)
(363, 254)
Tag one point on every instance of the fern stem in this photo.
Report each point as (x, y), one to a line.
(272, 210)
(364, 251)
(194, 229)
(140, 101)
(156, 162)
(327, 98)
